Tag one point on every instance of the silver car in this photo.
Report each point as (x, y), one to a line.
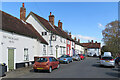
(76, 57)
(107, 61)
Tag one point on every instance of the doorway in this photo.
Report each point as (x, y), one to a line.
(11, 59)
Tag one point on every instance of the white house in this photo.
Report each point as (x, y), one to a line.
(93, 49)
(19, 42)
(57, 43)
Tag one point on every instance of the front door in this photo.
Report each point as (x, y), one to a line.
(11, 59)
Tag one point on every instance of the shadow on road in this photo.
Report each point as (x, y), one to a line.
(101, 66)
(113, 74)
(39, 71)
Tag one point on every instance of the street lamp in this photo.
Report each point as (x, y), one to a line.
(57, 46)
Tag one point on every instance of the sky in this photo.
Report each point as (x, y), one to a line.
(85, 20)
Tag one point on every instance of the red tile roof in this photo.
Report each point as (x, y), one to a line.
(46, 23)
(91, 45)
(15, 25)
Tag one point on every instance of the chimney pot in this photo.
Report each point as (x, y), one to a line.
(22, 12)
(51, 19)
(75, 38)
(22, 4)
(60, 24)
(92, 41)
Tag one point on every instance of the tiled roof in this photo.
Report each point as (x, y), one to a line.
(91, 45)
(46, 23)
(15, 25)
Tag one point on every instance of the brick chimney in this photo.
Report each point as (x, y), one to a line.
(22, 12)
(70, 35)
(91, 41)
(51, 19)
(79, 40)
(60, 24)
(75, 38)
(95, 41)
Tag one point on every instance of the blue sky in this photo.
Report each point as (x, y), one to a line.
(86, 20)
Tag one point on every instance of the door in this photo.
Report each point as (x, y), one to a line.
(11, 59)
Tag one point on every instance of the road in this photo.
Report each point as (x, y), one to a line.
(88, 68)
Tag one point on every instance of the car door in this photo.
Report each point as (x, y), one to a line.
(55, 62)
(51, 62)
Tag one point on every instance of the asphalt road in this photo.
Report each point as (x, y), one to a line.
(88, 68)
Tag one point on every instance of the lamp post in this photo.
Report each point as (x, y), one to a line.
(57, 46)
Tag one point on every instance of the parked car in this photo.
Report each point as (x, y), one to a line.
(46, 63)
(65, 59)
(84, 56)
(81, 56)
(107, 61)
(76, 57)
(117, 61)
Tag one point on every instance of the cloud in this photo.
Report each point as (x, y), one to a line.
(84, 37)
(101, 26)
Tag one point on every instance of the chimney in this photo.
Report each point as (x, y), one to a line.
(70, 35)
(95, 41)
(79, 40)
(22, 12)
(51, 19)
(91, 41)
(60, 24)
(75, 38)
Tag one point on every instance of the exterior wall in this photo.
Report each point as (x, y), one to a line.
(51, 48)
(18, 43)
(79, 49)
(72, 50)
(68, 47)
(92, 51)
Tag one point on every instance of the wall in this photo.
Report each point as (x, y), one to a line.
(51, 51)
(18, 42)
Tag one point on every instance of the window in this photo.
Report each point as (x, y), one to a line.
(26, 56)
(42, 60)
(50, 59)
(60, 39)
(72, 44)
(61, 50)
(53, 59)
(44, 49)
(44, 33)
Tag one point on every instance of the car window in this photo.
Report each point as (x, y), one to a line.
(50, 59)
(53, 59)
(107, 58)
(64, 56)
(42, 60)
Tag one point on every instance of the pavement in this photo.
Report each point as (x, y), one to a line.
(88, 68)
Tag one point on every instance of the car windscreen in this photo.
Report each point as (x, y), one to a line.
(107, 58)
(42, 60)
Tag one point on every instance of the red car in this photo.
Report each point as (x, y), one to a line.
(46, 63)
(81, 56)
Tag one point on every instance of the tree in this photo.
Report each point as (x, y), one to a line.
(111, 37)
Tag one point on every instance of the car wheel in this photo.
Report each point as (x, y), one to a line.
(58, 66)
(35, 70)
(50, 70)
(72, 61)
(67, 62)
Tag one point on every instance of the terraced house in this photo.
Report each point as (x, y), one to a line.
(18, 42)
(23, 39)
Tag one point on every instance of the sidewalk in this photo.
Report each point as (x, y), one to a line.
(18, 72)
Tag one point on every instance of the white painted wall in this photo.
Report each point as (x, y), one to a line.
(79, 49)
(18, 42)
(93, 51)
(40, 29)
